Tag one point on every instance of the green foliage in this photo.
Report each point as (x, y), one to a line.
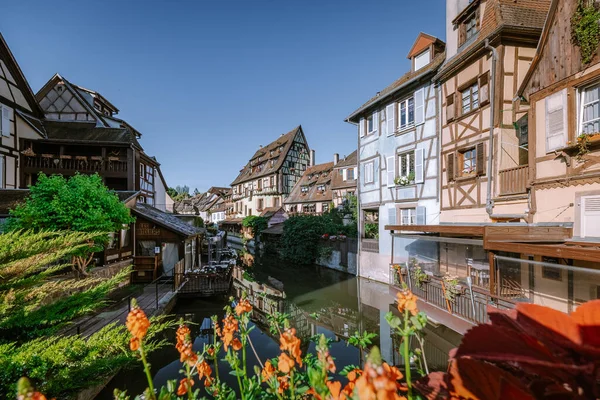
(585, 29)
(179, 193)
(60, 366)
(256, 224)
(351, 206)
(198, 222)
(362, 341)
(372, 230)
(81, 203)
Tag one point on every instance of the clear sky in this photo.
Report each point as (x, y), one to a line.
(207, 82)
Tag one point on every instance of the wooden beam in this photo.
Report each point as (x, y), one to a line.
(467, 230)
(583, 253)
(492, 262)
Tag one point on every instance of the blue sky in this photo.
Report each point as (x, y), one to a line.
(207, 82)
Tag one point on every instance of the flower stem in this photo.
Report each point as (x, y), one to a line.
(237, 375)
(147, 371)
(188, 373)
(292, 386)
(215, 352)
(406, 337)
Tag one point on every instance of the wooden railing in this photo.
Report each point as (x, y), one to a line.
(514, 180)
(369, 245)
(75, 163)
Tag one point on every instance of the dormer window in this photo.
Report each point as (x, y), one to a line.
(304, 189)
(469, 27)
(321, 188)
(422, 59)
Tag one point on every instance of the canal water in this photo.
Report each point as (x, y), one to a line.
(318, 300)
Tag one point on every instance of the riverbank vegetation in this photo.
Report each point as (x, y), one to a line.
(537, 353)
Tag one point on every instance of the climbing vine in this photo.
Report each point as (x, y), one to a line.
(585, 29)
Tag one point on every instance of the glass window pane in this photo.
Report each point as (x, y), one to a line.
(411, 111)
(403, 114)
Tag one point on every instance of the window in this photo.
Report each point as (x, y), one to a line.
(422, 59)
(259, 184)
(408, 216)
(272, 181)
(249, 211)
(309, 208)
(407, 113)
(266, 182)
(2, 169)
(369, 172)
(304, 189)
(276, 202)
(372, 123)
(470, 98)
(468, 160)
(553, 273)
(406, 164)
(350, 174)
(260, 204)
(590, 110)
(321, 188)
(471, 27)
(556, 121)
(325, 207)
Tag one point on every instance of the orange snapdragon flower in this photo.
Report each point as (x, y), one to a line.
(268, 371)
(230, 327)
(289, 342)
(184, 385)
(205, 371)
(284, 384)
(182, 335)
(137, 324)
(379, 382)
(407, 301)
(285, 363)
(236, 344)
(187, 355)
(243, 307)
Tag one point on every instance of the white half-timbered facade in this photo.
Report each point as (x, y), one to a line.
(398, 158)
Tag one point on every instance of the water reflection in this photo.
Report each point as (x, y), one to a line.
(317, 300)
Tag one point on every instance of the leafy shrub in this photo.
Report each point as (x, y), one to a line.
(256, 224)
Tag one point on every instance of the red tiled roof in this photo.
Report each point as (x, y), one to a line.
(337, 180)
(313, 177)
(250, 172)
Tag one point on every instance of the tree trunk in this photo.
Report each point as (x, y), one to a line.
(80, 264)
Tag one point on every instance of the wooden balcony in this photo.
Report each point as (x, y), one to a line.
(514, 180)
(370, 245)
(66, 163)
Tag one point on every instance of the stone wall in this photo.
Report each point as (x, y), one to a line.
(343, 255)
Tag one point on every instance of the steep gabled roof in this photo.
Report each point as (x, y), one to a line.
(283, 142)
(349, 161)
(20, 80)
(422, 42)
(166, 220)
(337, 180)
(399, 84)
(523, 17)
(313, 177)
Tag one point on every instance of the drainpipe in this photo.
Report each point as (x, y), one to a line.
(489, 204)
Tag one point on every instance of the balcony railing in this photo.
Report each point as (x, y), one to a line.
(76, 163)
(514, 180)
(370, 245)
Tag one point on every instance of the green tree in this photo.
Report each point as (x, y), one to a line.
(37, 302)
(256, 224)
(81, 204)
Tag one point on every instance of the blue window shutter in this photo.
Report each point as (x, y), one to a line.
(392, 216)
(421, 216)
(419, 106)
(419, 165)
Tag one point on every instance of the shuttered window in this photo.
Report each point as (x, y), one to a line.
(392, 216)
(390, 112)
(590, 216)
(390, 171)
(406, 165)
(406, 113)
(372, 123)
(5, 121)
(470, 98)
(590, 110)
(450, 108)
(369, 176)
(480, 164)
(556, 131)
(361, 127)
(484, 88)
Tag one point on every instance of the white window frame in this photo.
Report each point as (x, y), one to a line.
(410, 214)
(2, 171)
(582, 105)
(407, 155)
(4, 121)
(472, 104)
(422, 59)
(370, 172)
(372, 117)
(408, 123)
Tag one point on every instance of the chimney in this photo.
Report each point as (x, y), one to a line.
(311, 163)
(336, 158)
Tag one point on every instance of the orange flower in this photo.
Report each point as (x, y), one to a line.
(285, 363)
(137, 324)
(204, 371)
(283, 383)
(379, 382)
(186, 354)
(183, 335)
(236, 344)
(230, 326)
(184, 385)
(243, 307)
(268, 371)
(38, 396)
(288, 341)
(335, 389)
(211, 351)
(407, 301)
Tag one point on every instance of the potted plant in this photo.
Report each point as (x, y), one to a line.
(419, 276)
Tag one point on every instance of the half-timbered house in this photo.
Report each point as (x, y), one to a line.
(83, 134)
(312, 194)
(270, 174)
(398, 156)
(484, 161)
(344, 179)
(20, 116)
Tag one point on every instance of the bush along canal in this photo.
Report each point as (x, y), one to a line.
(317, 300)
